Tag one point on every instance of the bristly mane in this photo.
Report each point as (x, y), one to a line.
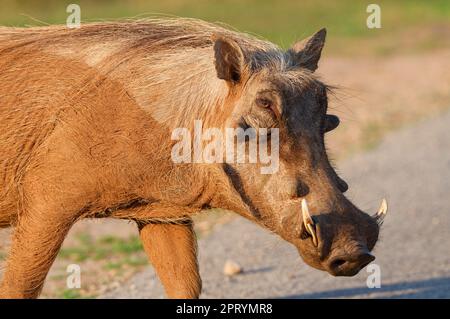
(166, 65)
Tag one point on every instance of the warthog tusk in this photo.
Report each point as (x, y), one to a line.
(382, 211)
(305, 212)
(308, 222)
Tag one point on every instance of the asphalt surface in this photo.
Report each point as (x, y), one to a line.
(411, 168)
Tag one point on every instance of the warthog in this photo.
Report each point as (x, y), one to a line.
(86, 117)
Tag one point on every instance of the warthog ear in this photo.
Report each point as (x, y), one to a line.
(229, 59)
(307, 52)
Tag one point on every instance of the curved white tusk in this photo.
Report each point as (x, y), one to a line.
(382, 211)
(313, 234)
(308, 222)
(305, 212)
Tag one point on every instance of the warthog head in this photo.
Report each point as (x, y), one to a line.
(303, 200)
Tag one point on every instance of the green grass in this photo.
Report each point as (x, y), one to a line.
(100, 258)
(133, 261)
(73, 294)
(103, 248)
(281, 21)
(122, 246)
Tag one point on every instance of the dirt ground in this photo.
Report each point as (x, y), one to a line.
(374, 95)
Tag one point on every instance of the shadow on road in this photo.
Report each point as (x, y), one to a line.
(430, 288)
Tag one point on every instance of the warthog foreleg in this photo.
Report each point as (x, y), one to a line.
(50, 204)
(36, 242)
(172, 250)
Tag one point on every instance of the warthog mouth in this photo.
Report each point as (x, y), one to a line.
(339, 250)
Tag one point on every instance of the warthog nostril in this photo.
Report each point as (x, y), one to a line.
(349, 265)
(336, 263)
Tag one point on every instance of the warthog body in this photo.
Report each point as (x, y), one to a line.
(86, 117)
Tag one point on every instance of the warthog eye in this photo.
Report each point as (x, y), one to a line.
(264, 103)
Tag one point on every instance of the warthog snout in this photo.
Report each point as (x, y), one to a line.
(338, 242)
(349, 264)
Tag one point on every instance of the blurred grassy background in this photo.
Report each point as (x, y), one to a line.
(281, 21)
